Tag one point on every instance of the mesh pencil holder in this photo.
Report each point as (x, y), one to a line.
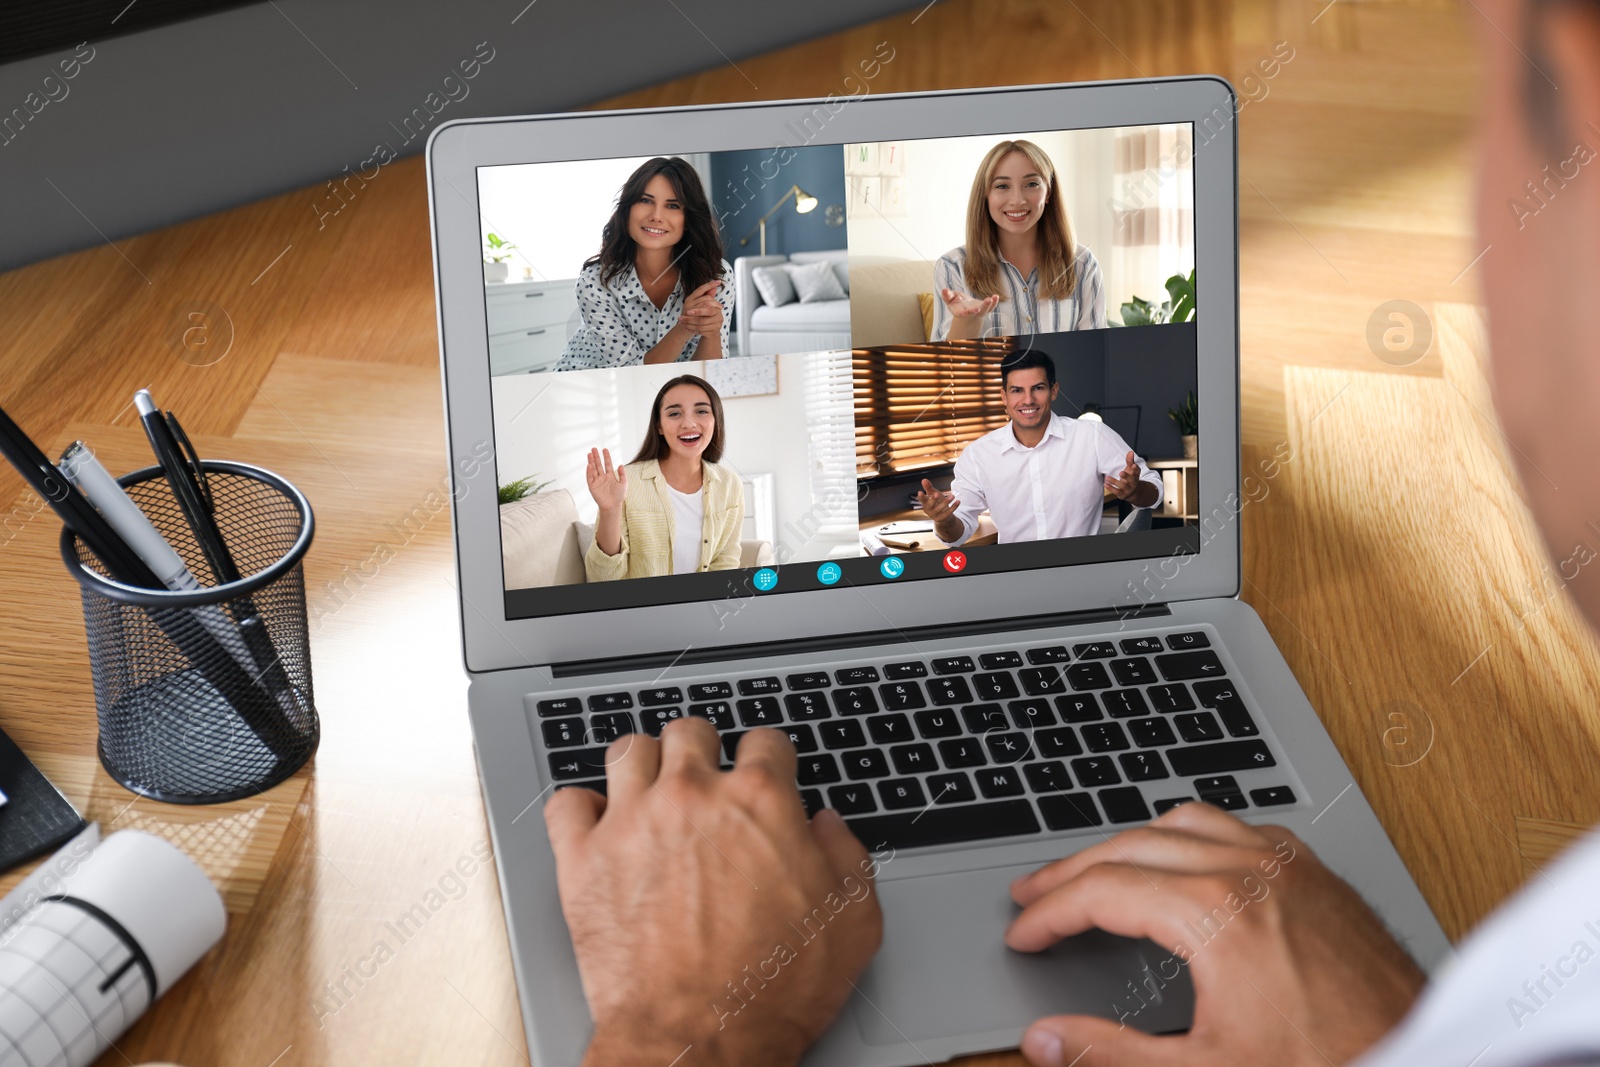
(205, 696)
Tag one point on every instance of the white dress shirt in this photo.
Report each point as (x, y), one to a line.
(1524, 988)
(1023, 313)
(621, 323)
(1054, 489)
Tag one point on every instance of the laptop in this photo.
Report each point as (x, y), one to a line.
(975, 707)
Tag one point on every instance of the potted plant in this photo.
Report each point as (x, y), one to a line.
(512, 492)
(1178, 307)
(1187, 416)
(495, 267)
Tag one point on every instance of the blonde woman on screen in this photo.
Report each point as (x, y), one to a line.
(675, 509)
(1020, 271)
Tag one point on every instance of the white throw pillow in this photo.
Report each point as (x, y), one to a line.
(841, 267)
(774, 285)
(815, 281)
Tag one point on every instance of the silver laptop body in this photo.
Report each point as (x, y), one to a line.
(944, 984)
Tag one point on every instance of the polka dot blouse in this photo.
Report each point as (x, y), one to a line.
(620, 324)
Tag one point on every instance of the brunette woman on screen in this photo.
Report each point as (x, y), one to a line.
(658, 290)
(675, 509)
(1020, 271)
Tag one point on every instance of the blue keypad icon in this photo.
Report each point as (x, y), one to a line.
(766, 578)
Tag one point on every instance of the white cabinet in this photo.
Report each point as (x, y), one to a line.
(529, 323)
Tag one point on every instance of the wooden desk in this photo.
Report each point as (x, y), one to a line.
(1394, 589)
(986, 533)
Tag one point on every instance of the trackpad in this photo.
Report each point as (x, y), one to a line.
(944, 969)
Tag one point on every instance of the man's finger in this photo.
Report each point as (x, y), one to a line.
(767, 750)
(633, 761)
(1118, 898)
(569, 815)
(689, 747)
(1086, 1041)
(1147, 846)
(846, 854)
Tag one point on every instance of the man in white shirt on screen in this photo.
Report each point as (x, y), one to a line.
(1041, 476)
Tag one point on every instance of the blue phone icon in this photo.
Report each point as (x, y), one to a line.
(892, 567)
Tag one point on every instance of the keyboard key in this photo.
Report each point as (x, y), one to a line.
(1229, 801)
(818, 769)
(1171, 698)
(865, 763)
(999, 782)
(610, 701)
(1078, 707)
(912, 669)
(756, 686)
(855, 675)
(913, 759)
(949, 691)
(802, 737)
(1192, 639)
(718, 712)
(760, 711)
(1039, 681)
(940, 722)
(889, 729)
(598, 786)
(961, 752)
(955, 788)
(711, 691)
(1181, 666)
(984, 718)
(1222, 783)
(1221, 696)
(656, 697)
(653, 719)
(954, 665)
(1104, 737)
(1032, 714)
(1124, 805)
(1142, 766)
(1060, 741)
(1096, 770)
(901, 696)
(1008, 748)
(1069, 811)
(1082, 676)
(899, 793)
(1198, 726)
(1136, 646)
(1220, 757)
(563, 733)
(1095, 650)
(561, 706)
(995, 686)
(730, 744)
(844, 733)
(810, 680)
(855, 701)
(812, 800)
(999, 661)
(1133, 671)
(1164, 806)
(604, 729)
(852, 799)
(946, 826)
(1152, 733)
(1049, 654)
(1271, 796)
(578, 763)
(806, 706)
(1124, 703)
(1048, 777)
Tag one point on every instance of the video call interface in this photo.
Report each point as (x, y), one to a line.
(747, 373)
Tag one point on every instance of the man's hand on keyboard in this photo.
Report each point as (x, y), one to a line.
(1289, 965)
(704, 910)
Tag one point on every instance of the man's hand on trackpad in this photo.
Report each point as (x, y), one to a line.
(704, 909)
(1290, 966)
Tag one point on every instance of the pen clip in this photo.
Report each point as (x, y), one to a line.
(192, 459)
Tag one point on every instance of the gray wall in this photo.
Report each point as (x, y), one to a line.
(183, 120)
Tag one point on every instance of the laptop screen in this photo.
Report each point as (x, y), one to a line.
(746, 373)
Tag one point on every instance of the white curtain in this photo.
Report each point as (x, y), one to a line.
(1152, 207)
(831, 450)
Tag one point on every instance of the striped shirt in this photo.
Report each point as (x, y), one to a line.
(621, 323)
(1023, 312)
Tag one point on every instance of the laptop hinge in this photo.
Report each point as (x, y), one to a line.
(835, 642)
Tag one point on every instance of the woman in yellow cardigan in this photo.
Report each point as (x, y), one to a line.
(675, 509)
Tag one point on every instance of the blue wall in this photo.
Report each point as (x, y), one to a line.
(741, 192)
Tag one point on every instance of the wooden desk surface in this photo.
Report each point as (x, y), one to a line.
(1411, 600)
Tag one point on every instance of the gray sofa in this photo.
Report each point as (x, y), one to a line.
(820, 326)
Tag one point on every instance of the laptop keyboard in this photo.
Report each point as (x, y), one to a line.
(929, 751)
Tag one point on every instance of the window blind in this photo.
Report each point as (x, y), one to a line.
(919, 407)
